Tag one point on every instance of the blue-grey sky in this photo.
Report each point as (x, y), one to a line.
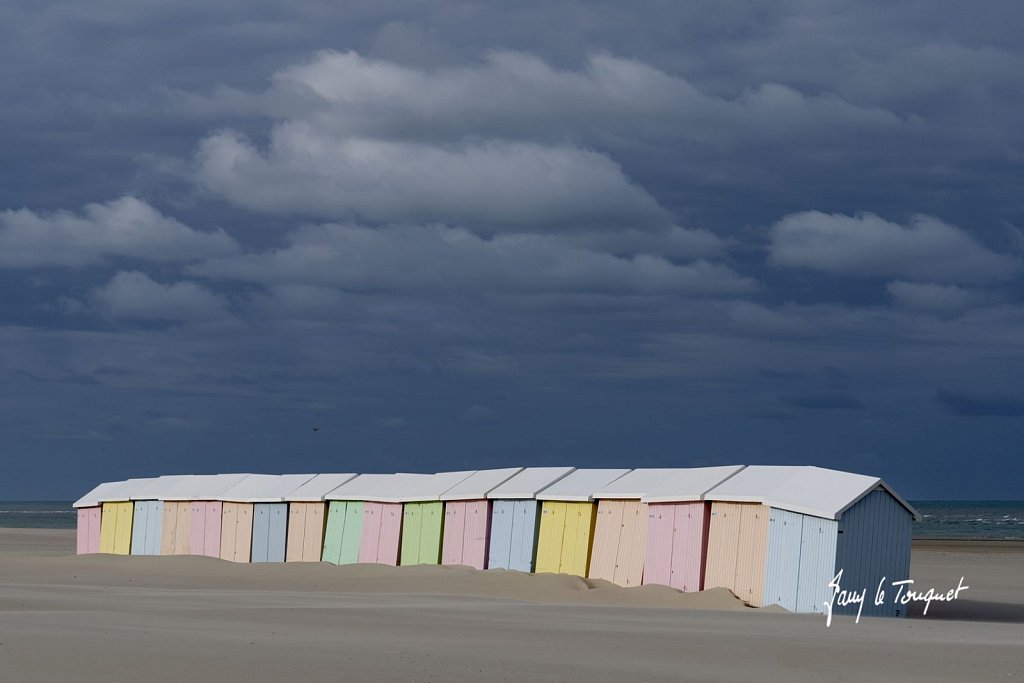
(467, 235)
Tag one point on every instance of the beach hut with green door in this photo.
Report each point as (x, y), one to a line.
(307, 516)
(423, 516)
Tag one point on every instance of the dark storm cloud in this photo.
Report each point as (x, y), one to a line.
(981, 405)
(577, 233)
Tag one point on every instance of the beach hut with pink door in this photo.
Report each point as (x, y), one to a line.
(423, 516)
(307, 517)
(90, 516)
(191, 523)
(625, 532)
(467, 517)
(364, 519)
(515, 517)
(255, 517)
(677, 519)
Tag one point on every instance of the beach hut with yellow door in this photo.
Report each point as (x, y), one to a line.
(90, 516)
(307, 516)
(515, 516)
(254, 520)
(779, 534)
(567, 520)
(117, 517)
(423, 516)
(191, 523)
(467, 517)
(625, 527)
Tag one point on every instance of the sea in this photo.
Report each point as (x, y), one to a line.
(999, 519)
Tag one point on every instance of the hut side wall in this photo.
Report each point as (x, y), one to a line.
(874, 543)
(88, 538)
(116, 528)
(344, 532)
(422, 529)
(737, 549)
(677, 539)
(566, 533)
(269, 532)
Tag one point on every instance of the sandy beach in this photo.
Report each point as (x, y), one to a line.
(102, 618)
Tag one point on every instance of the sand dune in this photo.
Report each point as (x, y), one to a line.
(102, 618)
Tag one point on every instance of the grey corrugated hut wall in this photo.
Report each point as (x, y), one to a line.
(874, 543)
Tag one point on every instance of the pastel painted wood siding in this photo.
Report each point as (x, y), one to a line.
(174, 534)
(204, 527)
(620, 533)
(874, 544)
(737, 549)
(344, 532)
(116, 528)
(236, 532)
(466, 534)
(677, 540)
(422, 529)
(565, 537)
(382, 533)
(88, 538)
(817, 562)
(305, 531)
(782, 572)
(147, 525)
(269, 532)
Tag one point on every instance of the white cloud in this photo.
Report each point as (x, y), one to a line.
(123, 227)
(133, 295)
(868, 246)
(442, 258)
(518, 95)
(492, 183)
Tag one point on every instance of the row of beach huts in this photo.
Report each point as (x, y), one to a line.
(770, 534)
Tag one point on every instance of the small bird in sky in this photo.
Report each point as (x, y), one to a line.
(316, 428)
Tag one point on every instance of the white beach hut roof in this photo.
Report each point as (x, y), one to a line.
(580, 485)
(100, 492)
(381, 488)
(667, 484)
(479, 484)
(314, 490)
(264, 488)
(202, 486)
(157, 487)
(528, 483)
(805, 489)
(427, 489)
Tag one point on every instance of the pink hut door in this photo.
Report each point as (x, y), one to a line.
(390, 534)
(370, 540)
(88, 538)
(476, 534)
(211, 534)
(454, 533)
(197, 528)
(677, 537)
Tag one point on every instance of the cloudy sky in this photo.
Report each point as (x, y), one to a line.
(455, 236)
